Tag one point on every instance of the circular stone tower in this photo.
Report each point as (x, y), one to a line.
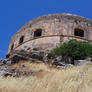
(47, 32)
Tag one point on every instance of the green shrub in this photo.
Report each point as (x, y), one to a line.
(75, 49)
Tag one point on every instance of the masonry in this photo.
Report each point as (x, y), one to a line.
(49, 31)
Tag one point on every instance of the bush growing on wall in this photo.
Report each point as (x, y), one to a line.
(75, 49)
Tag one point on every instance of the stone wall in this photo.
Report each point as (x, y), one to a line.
(51, 25)
(41, 43)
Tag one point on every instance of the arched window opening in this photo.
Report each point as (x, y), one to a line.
(12, 46)
(79, 32)
(21, 39)
(38, 33)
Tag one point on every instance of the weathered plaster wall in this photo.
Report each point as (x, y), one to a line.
(58, 24)
(41, 43)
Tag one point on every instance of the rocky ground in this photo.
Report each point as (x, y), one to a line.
(47, 78)
(34, 57)
(38, 72)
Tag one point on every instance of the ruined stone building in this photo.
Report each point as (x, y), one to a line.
(47, 32)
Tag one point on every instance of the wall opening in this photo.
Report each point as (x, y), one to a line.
(38, 33)
(12, 46)
(21, 39)
(79, 32)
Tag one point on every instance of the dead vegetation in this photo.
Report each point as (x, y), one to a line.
(48, 79)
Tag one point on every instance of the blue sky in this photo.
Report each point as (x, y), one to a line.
(15, 13)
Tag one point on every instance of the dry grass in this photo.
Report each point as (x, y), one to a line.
(75, 79)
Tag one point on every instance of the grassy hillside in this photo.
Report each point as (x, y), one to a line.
(75, 79)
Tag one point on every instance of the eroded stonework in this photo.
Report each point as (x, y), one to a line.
(47, 32)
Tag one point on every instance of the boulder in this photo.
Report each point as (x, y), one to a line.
(61, 60)
(67, 59)
(5, 62)
(3, 71)
(8, 62)
(56, 60)
(90, 58)
(79, 62)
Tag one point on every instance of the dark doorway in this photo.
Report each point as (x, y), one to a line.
(21, 39)
(79, 32)
(38, 33)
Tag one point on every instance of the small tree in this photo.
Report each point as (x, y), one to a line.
(75, 49)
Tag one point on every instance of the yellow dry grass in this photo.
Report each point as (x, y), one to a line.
(75, 79)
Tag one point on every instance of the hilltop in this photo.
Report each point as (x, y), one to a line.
(49, 79)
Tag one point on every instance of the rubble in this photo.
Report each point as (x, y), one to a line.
(33, 55)
(37, 56)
